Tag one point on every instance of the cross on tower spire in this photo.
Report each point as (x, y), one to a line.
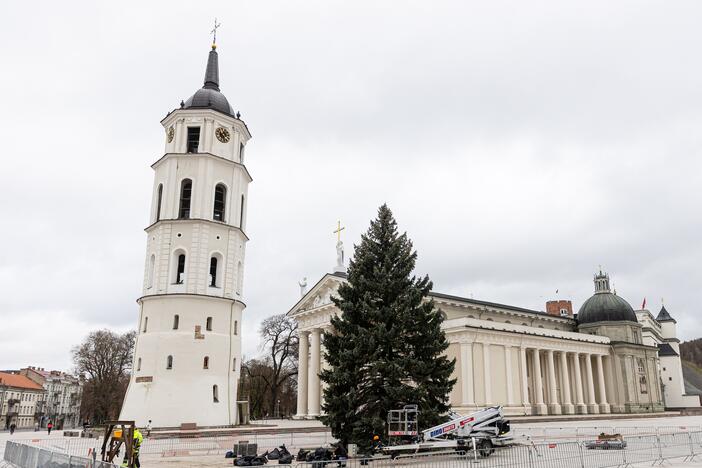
(214, 33)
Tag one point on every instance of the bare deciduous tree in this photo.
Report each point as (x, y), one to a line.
(271, 377)
(105, 359)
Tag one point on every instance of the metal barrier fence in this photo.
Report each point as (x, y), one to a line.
(576, 433)
(179, 446)
(640, 450)
(27, 456)
(650, 449)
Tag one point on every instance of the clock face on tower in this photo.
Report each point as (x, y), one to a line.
(222, 134)
(170, 133)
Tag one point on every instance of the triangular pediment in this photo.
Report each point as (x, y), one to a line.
(319, 295)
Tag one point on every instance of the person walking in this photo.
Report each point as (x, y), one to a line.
(49, 426)
(148, 429)
(12, 428)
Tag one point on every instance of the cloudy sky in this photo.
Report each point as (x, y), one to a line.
(520, 145)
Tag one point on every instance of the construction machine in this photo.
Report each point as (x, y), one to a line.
(481, 431)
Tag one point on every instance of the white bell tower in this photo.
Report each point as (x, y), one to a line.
(188, 348)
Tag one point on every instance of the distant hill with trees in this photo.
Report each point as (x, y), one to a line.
(691, 351)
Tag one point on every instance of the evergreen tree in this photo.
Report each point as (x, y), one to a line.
(386, 348)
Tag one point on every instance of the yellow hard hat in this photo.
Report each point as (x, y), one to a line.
(376, 438)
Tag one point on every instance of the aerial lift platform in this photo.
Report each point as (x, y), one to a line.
(482, 430)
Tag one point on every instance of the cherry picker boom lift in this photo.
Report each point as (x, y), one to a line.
(481, 430)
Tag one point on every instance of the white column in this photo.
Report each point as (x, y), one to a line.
(524, 377)
(180, 137)
(486, 374)
(313, 377)
(302, 376)
(567, 404)
(322, 366)
(553, 406)
(539, 406)
(468, 396)
(604, 406)
(580, 407)
(508, 375)
(592, 407)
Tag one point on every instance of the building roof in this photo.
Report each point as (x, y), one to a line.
(18, 381)
(476, 302)
(495, 305)
(664, 316)
(209, 96)
(664, 349)
(605, 306)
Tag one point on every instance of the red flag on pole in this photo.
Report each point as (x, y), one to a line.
(643, 306)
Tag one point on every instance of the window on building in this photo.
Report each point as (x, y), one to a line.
(215, 394)
(146, 324)
(241, 153)
(208, 324)
(213, 272)
(186, 191)
(176, 321)
(159, 197)
(664, 369)
(193, 139)
(139, 364)
(169, 362)
(641, 366)
(234, 365)
(206, 362)
(670, 379)
(180, 272)
(150, 273)
(220, 196)
(236, 327)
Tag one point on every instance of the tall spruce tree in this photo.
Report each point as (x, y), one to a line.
(386, 348)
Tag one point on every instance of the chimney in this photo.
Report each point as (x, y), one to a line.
(560, 308)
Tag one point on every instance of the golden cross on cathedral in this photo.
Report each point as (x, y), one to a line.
(338, 231)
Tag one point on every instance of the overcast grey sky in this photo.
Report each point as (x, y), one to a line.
(520, 144)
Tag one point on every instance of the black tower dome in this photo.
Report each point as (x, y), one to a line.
(605, 306)
(209, 96)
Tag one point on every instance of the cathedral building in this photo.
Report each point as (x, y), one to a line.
(188, 348)
(606, 359)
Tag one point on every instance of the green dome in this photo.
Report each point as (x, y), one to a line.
(606, 307)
